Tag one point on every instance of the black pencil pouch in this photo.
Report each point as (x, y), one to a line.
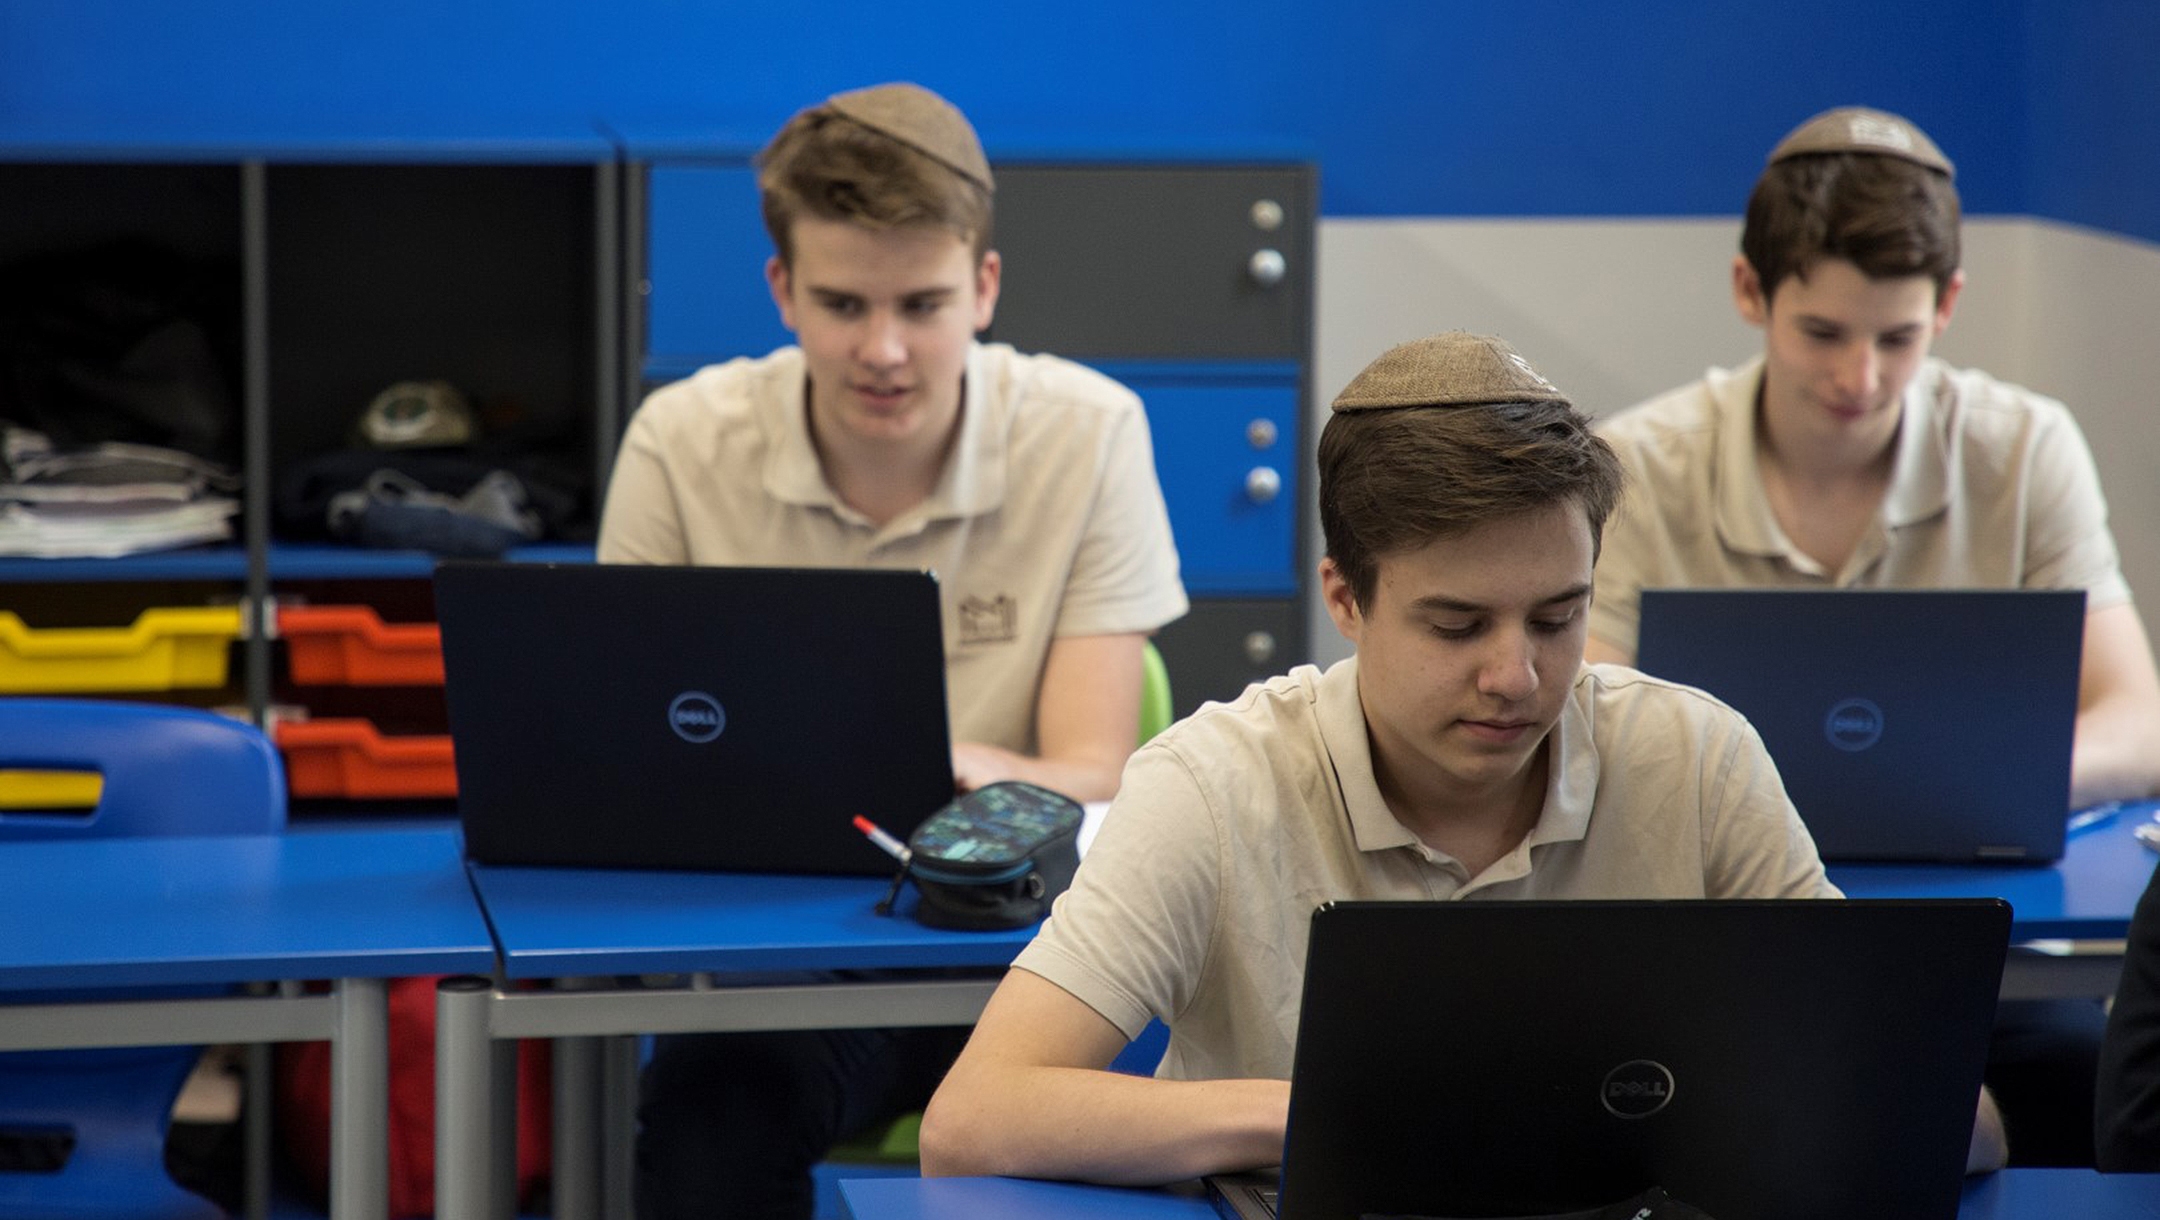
(994, 858)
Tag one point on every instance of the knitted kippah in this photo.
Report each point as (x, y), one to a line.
(921, 120)
(1860, 130)
(1447, 370)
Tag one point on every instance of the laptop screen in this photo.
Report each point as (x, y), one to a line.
(1907, 724)
(692, 717)
(1760, 1060)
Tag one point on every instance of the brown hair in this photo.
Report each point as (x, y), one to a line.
(1393, 480)
(826, 165)
(1885, 215)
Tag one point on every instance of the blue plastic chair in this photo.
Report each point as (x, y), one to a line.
(165, 771)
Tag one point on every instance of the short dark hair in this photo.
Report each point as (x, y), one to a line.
(824, 164)
(1885, 215)
(1395, 479)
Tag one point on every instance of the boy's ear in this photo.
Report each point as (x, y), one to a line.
(1340, 600)
(1946, 301)
(989, 273)
(778, 281)
(1747, 293)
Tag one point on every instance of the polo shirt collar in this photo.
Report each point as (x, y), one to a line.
(1744, 520)
(972, 482)
(1342, 730)
(1570, 781)
(1919, 477)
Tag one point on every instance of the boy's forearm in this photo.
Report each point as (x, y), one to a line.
(1099, 1126)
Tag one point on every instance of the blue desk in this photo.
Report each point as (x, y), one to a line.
(357, 907)
(577, 927)
(2014, 1194)
(2087, 895)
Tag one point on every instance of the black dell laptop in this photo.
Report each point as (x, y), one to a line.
(1908, 724)
(692, 717)
(1758, 1060)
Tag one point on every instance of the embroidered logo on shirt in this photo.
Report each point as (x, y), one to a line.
(988, 620)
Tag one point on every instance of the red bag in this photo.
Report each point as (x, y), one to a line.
(303, 1105)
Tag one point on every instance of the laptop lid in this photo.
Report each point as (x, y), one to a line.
(631, 716)
(1760, 1060)
(1907, 724)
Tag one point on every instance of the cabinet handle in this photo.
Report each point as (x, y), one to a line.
(1260, 433)
(1262, 484)
(1267, 267)
(1259, 647)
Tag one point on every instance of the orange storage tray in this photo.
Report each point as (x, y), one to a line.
(352, 646)
(347, 758)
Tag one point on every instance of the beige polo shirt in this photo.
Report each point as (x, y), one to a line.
(1047, 521)
(1234, 825)
(1992, 487)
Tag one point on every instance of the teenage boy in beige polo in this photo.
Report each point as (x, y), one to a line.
(1846, 456)
(1464, 753)
(889, 437)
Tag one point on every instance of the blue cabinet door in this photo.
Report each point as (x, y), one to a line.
(1226, 454)
(705, 259)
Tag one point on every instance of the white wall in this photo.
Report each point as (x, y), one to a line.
(1617, 310)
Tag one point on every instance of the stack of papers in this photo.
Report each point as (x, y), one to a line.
(103, 501)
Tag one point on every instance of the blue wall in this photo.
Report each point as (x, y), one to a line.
(1444, 107)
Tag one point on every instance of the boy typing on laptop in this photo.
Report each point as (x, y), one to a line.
(891, 438)
(1846, 456)
(1463, 753)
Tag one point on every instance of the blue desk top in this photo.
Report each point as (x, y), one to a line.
(2088, 895)
(238, 908)
(561, 923)
(2014, 1194)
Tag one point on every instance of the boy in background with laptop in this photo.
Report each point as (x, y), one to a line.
(1846, 456)
(1463, 753)
(889, 437)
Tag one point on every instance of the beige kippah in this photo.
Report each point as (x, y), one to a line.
(921, 120)
(1447, 370)
(1860, 130)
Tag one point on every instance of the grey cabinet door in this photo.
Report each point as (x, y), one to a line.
(1223, 646)
(1209, 262)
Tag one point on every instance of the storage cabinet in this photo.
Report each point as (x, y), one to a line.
(322, 272)
(553, 281)
(1190, 282)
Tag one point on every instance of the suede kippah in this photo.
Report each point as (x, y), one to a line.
(921, 120)
(1857, 129)
(1454, 369)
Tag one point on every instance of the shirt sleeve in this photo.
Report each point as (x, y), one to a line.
(1758, 847)
(2070, 545)
(642, 522)
(1131, 937)
(1124, 574)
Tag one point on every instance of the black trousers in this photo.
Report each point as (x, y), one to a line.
(729, 1125)
(2041, 1067)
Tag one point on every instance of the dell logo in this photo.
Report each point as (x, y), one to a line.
(1854, 724)
(696, 716)
(1638, 1088)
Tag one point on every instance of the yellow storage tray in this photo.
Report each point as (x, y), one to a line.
(28, 789)
(166, 648)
